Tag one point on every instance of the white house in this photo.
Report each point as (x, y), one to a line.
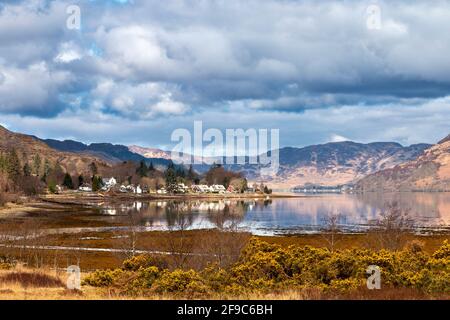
(161, 191)
(86, 187)
(182, 188)
(218, 188)
(109, 182)
(131, 189)
(201, 188)
(138, 189)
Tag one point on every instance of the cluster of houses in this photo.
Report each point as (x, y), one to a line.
(111, 183)
(215, 188)
(200, 188)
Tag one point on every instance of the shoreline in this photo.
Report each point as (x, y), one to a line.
(96, 237)
(86, 198)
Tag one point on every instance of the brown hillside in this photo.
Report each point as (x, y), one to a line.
(27, 147)
(429, 172)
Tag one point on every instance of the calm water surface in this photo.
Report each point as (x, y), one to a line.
(285, 215)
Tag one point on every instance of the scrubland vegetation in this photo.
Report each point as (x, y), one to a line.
(248, 269)
(264, 268)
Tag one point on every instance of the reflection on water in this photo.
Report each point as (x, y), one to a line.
(305, 214)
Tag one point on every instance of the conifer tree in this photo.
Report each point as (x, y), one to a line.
(26, 170)
(171, 178)
(80, 180)
(142, 169)
(68, 182)
(13, 166)
(93, 168)
(97, 183)
(191, 173)
(37, 164)
(47, 170)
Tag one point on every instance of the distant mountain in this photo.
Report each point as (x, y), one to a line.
(336, 163)
(150, 152)
(328, 164)
(28, 146)
(430, 171)
(107, 151)
(153, 153)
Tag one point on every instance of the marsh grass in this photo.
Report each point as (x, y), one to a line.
(32, 279)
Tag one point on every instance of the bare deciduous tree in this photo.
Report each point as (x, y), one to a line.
(331, 230)
(179, 218)
(391, 229)
(223, 245)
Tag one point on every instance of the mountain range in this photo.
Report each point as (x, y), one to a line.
(327, 164)
(335, 163)
(430, 171)
(150, 152)
(107, 151)
(372, 166)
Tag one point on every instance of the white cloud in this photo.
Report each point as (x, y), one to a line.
(338, 138)
(143, 101)
(32, 89)
(68, 52)
(426, 122)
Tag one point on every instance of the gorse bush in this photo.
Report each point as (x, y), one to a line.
(7, 262)
(264, 267)
(143, 261)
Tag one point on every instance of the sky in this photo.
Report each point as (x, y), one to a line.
(134, 71)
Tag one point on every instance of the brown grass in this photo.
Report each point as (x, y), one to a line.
(45, 284)
(387, 293)
(31, 279)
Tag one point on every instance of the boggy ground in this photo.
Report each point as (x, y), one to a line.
(194, 247)
(261, 271)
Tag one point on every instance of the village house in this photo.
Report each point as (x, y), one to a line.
(201, 188)
(161, 191)
(85, 187)
(182, 188)
(59, 188)
(109, 182)
(196, 188)
(218, 188)
(131, 189)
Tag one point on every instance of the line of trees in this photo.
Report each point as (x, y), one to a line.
(16, 179)
(217, 174)
(21, 175)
